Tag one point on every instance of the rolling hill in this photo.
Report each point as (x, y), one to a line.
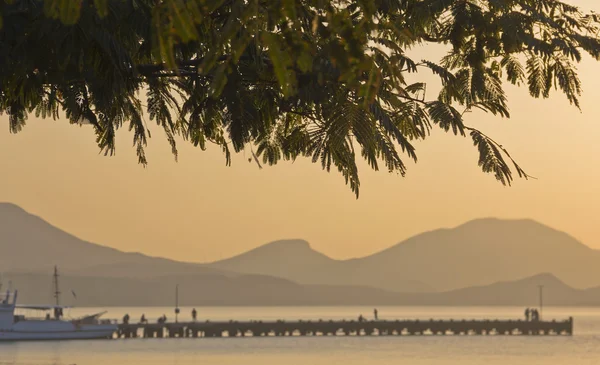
(520, 292)
(30, 244)
(486, 251)
(479, 252)
(295, 260)
(256, 290)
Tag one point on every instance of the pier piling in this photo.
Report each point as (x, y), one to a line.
(347, 328)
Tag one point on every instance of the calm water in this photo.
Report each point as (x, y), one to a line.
(582, 348)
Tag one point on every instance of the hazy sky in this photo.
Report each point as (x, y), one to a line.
(200, 210)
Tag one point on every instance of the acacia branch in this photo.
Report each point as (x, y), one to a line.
(491, 140)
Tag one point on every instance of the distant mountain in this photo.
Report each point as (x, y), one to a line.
(199, 289)
(519, 292)
(30, 244)
(297, 261)
(486, 251)
(523, 292)
(285, 258)
(479, 252)
(256, 290)
(475, 254)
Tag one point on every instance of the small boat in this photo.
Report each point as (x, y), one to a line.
(16, 327)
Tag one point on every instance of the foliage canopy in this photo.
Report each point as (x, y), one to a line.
(324, 79)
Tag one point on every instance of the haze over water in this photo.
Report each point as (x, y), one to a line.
(580, 349)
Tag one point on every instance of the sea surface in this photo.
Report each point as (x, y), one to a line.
(582, 348)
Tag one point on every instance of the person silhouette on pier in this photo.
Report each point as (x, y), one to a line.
(535, 315)
(194, 314)
(126, 319)
(527, 313)
(376, 314)
(143, 319)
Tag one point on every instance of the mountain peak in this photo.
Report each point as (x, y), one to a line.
(278, 250)
(537, 233)
(289, 259)
(544, 278)
(488, 250)
(6, 207)
(501, 221)
(287, 244)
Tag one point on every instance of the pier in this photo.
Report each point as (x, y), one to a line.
(346, 328)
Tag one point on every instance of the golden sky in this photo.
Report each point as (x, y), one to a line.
(200, 210)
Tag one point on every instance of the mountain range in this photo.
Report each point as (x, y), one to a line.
(479, 252)
(30, 244)
(482, 262)
(253, 290)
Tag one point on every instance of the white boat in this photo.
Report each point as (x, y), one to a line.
(17, 327)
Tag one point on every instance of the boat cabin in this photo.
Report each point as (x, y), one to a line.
(7, 309)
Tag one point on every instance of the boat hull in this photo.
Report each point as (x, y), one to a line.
(84, 333)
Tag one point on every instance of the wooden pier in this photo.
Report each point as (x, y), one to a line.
(346, 328)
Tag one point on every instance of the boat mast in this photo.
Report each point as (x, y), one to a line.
(176, 302)
(56, 290)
